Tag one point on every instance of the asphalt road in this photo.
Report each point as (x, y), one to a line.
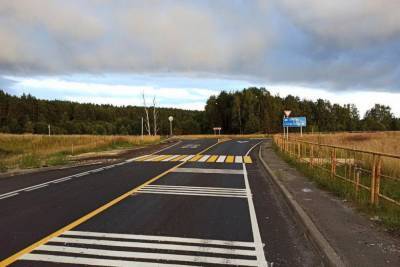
(170, 210)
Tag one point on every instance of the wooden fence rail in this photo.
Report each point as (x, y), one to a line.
(373, 174)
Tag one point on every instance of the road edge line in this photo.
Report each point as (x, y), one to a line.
(11, 259)
(324, 248)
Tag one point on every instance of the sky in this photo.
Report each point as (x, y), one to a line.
(111, 51)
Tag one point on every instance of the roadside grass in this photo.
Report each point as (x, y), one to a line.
(384, 213)
(33, 151)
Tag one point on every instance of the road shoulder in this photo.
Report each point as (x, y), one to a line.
(351, 235)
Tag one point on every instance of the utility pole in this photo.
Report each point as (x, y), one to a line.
(49, 129)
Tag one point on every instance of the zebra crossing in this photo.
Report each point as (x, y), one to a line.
(116, 249)
(196, 158)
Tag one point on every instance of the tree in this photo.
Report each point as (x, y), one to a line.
(378, 118)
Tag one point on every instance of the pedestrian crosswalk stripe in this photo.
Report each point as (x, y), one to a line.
(170, 158)
(97, 249)
(179, 158)
(213, 158)
(230, 159)
(238, 159)
(162, 157)
(221, 159)
(197, 158)
(247, 159)
(204, 158)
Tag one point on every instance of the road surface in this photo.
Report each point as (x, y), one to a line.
(196, 203)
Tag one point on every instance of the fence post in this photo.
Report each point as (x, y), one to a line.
(311, 155)
(373, 180)
(333, 163)
(299, 150)
(377, 179)
(357, 183)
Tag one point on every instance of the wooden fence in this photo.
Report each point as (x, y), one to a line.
(374, 176)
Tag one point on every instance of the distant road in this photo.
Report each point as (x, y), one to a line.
(196, 203)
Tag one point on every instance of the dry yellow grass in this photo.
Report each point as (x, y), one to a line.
(21, 151)
(383, 142)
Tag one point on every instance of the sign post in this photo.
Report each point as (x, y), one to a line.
(295, 122)
(217, 129)
(287, 114)
(170, 118)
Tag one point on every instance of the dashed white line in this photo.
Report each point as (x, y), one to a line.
(36, 187)
(7, 196)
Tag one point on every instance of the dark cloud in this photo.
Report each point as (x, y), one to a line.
(336, 44)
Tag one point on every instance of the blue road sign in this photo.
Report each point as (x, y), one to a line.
(295, 122)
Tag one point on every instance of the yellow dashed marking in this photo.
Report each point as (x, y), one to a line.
(162, 157)
(247, 159)
(144, 157)
(229, 159)
(179, 158)
(196, 158)
(213, 158)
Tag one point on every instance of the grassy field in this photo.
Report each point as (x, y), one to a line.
(31, 151)
(385, 142)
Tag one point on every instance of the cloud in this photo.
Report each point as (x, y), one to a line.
(347, 22)
(336, 45)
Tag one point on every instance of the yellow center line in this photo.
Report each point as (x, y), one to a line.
(213, 158)
(91, 214)
(229, 159)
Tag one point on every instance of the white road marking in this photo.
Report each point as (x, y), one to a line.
(238, 159)
(201, 170)
(94, 262)
(36, 187)
(221, 159)
(162, 238)
(187, 158)
(9, 195)
(62, 180)
(170, 158)
(201, 188)
(188, 193)
(153, 157)
(33, 187)
(127, 244)
(254, 224)
(147, 255)
(204, 158)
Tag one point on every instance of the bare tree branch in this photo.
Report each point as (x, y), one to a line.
(147, 123)
(155, 116)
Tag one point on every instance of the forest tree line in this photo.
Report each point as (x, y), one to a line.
(252, 110)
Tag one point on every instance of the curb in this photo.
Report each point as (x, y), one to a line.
(329, 255)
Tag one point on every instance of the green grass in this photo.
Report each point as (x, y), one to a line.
(388, 214)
